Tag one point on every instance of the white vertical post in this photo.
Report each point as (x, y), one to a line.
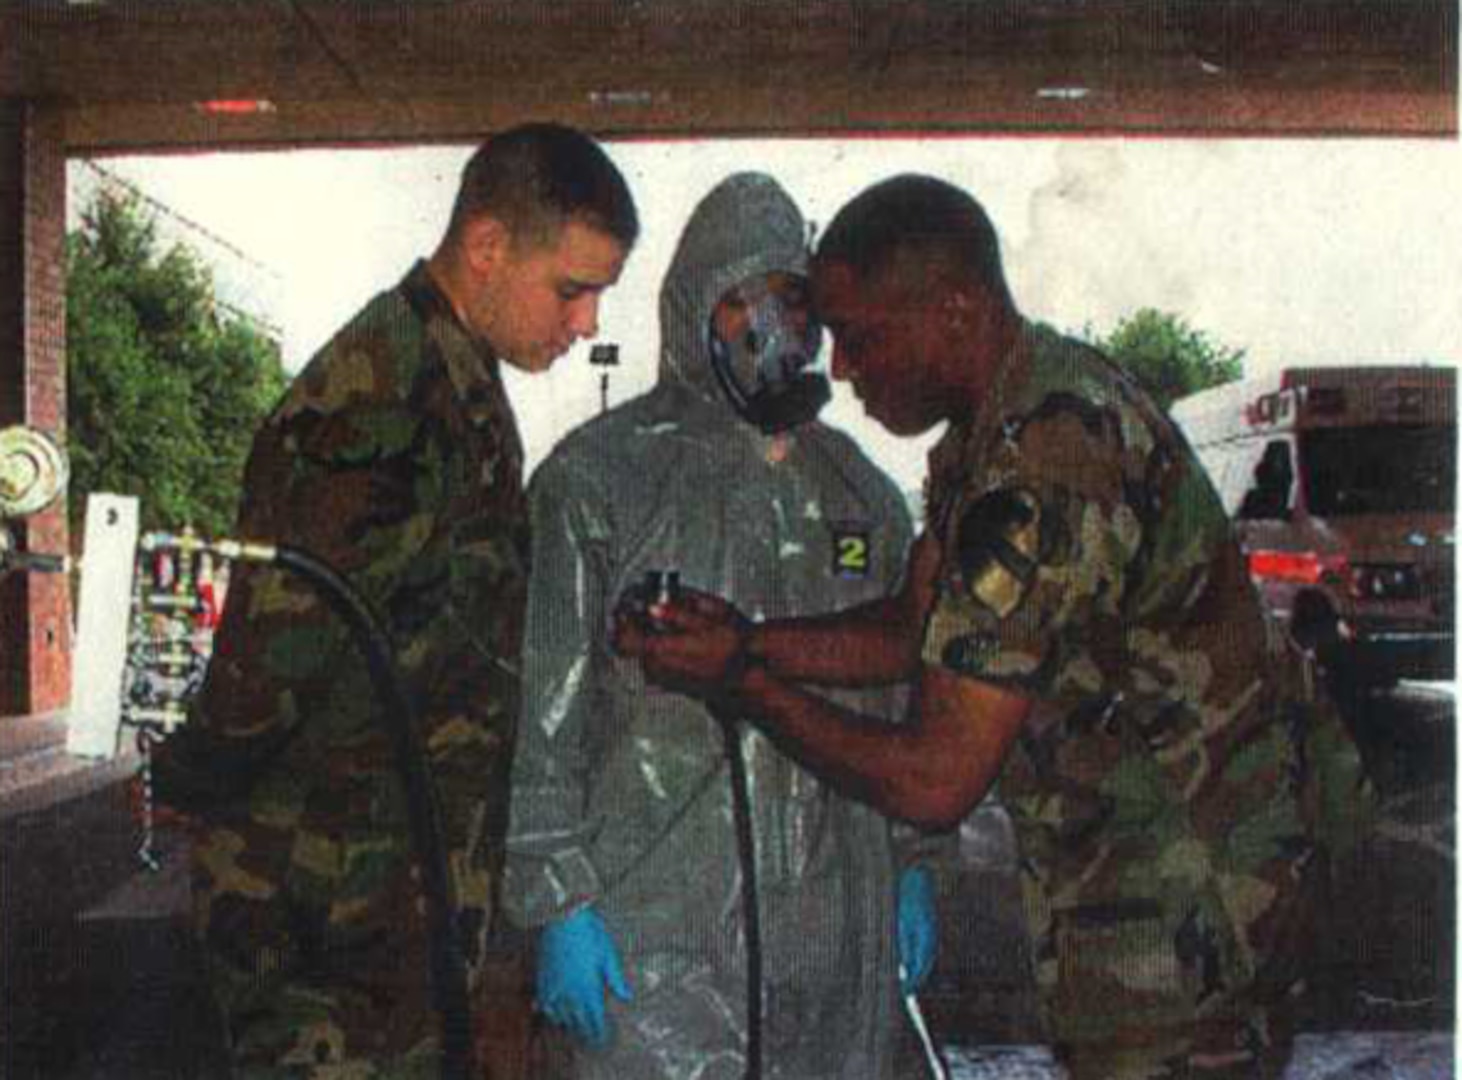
(103, 620)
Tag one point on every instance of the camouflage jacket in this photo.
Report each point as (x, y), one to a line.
(1156, 790)
(395, 459)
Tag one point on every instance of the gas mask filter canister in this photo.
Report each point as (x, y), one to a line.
(766, 373)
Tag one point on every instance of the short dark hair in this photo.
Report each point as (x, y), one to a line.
(535, 178)
(916, 224)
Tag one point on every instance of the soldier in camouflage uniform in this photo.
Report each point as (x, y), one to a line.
(395, 459)
(1083, 629)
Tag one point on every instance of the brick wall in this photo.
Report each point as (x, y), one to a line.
(35, 610)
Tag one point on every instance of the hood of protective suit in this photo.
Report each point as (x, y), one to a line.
(746, 226)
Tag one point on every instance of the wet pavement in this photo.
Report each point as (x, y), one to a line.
(1331, 1056)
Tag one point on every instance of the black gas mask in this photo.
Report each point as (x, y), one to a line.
(767, 373)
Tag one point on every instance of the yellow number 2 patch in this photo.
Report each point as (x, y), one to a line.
(852, 554)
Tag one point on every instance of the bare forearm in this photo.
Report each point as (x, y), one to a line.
(871, 645)
(930, 771)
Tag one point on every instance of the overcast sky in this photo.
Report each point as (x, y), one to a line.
(1296, 252)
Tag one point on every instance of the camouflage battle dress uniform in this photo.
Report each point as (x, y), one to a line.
(1160, 791)
(395, 459)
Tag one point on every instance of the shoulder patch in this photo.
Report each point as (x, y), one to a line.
(1099, 419)
(998, 548)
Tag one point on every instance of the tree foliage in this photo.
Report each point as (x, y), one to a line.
(164, 388)
(1169, 357)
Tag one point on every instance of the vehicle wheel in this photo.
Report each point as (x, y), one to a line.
(1316, 629)
(1314, 626)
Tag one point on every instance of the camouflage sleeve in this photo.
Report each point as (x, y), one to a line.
(1036, 558)
(348, 482)
(550, 868)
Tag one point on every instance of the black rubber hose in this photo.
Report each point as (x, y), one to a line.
(448, 959)
(746, 850)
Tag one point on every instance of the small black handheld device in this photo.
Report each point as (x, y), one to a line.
(657, 587)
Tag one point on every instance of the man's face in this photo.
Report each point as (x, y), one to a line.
(537, 300)
(732, 315)
(892, 345)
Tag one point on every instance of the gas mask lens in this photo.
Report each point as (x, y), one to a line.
(769, 369)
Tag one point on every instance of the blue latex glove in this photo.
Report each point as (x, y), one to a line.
(918, 927)
(576, 959)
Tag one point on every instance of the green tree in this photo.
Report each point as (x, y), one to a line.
(164, 388)
(1169, 357)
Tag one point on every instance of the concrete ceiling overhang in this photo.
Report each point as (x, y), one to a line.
(135, 74)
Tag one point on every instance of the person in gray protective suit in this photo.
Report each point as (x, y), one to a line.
(623, 844)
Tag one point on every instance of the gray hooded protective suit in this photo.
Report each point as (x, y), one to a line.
(621, 794)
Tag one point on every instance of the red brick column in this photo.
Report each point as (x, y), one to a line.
(35, 609)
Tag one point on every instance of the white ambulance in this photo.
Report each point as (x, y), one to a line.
(1341, 482)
